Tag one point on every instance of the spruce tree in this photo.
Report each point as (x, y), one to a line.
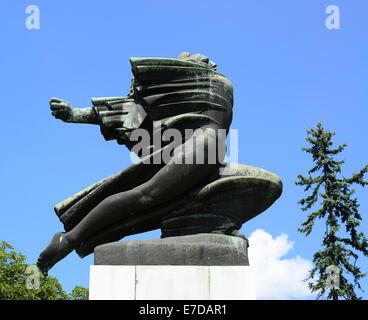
(333, 193)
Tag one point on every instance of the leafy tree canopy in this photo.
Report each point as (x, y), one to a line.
(21, 281)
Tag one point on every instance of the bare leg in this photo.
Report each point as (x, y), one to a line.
(170, 181)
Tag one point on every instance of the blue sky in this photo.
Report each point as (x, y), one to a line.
(288, 71)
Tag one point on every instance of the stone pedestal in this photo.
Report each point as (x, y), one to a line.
(197, 267)
(172, 283)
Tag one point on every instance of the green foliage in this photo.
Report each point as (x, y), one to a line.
(14, 275)
(79, 293)
(339, 210)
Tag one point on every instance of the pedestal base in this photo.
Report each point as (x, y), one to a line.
(172, 282)
(204, 249)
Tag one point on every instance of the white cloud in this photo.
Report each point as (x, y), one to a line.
(277, 278)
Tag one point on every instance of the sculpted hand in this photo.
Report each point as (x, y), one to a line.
(61, 110)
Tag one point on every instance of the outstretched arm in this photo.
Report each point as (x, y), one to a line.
(64, 111)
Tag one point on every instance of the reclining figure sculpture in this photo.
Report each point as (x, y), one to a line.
(180, 197)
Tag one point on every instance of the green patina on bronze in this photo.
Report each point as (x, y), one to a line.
(184, 93)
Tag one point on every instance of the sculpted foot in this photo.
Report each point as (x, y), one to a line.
(58, 248)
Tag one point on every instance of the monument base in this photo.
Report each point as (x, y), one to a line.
(193, 267)
(163, 282)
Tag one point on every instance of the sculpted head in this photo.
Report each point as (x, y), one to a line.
(198, 58)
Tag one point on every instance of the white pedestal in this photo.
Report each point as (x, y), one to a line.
(155, 282)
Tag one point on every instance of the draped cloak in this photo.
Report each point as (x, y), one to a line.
(178, 94)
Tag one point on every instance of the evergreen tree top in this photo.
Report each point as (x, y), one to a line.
(326, 184)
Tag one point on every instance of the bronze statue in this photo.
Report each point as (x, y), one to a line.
(178, 196)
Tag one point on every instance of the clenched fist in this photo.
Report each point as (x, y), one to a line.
(61, 110)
